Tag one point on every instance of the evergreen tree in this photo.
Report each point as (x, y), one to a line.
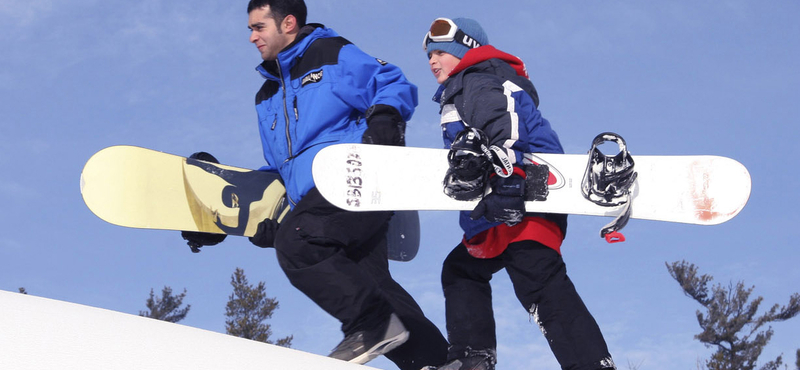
(730, 323)
(247, 309)
(167, 307)
(797, 362)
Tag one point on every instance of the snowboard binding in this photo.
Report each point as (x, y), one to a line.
(195, 239)
(609, 182)
(469, 166)
(471, 160)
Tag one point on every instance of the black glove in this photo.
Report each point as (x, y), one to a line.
(506, 202)
(469, 165)
(385, 126)
(265, 234)
(195, 239)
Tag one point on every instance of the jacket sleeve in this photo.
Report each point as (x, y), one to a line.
(366, 81)
(490, 106)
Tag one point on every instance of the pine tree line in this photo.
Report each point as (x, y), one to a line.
(247, 310)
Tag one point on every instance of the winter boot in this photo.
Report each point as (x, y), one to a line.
(472, 362)
(363, 346)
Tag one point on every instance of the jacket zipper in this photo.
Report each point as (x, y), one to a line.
(286, 116)
(285, 113)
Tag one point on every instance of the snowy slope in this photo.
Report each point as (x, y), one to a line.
(42, 334)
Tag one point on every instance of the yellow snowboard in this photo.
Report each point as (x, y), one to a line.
(142, 188)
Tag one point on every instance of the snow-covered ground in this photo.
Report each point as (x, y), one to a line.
(43, 334)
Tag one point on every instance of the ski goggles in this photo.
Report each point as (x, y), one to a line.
(445, 30)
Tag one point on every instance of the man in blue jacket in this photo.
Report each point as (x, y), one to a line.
(320, 90)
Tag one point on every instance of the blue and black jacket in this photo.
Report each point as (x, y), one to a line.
(316, 94)
(490, 90)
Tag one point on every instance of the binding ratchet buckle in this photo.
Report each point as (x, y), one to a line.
(609, 182)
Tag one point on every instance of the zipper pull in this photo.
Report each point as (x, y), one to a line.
(294, 104)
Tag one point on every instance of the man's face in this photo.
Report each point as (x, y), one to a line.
(267, 35)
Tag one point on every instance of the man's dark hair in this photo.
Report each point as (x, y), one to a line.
(281, 8)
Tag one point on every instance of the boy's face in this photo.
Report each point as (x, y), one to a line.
(442, 64)
(268, 36)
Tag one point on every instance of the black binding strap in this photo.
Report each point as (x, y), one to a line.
(608, 181)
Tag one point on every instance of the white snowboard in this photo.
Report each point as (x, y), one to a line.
(44, 334)
(703, 190)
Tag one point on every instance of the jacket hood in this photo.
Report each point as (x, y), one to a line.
(486, 52)
(486, 59)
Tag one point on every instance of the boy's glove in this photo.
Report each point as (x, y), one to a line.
(385, 126)
(195, 239)
(506, 202)
(265, 234)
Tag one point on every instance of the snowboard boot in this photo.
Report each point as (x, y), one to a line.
(363, 346)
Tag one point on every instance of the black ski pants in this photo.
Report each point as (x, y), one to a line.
(541, 284)
(339, 260)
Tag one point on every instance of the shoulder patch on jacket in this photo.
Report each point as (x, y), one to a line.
(320, 53)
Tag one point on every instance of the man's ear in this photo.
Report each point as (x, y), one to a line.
(289, 24)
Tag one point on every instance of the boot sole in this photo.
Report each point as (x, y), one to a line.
(381, 348)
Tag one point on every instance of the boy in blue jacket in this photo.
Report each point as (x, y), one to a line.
(490, 118)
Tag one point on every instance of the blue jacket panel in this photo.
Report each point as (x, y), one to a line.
(315, 95)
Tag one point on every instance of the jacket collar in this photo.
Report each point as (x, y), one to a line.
(478, 59)
(287, 58)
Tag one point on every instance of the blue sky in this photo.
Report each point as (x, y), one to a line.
(673, 78)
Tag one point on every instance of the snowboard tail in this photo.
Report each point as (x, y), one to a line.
(703, 190)
(141, 188)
